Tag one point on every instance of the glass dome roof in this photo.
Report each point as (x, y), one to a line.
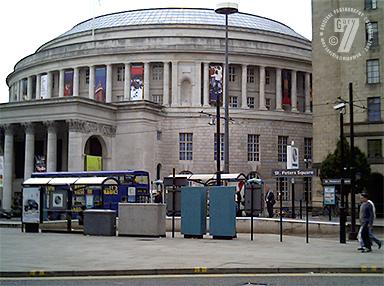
(181, 16)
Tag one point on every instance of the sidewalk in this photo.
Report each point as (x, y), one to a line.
(53, 254)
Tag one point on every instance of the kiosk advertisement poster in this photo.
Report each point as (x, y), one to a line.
(31, 205)
(329, 195)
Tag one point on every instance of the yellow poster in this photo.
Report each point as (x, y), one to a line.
(93, 163)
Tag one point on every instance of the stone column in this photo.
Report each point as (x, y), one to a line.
(8, 167)
(206, 84)
(262, 88)
(75, 147)
(51, 146)
(108, 94)
(61, 83)
(175, 98)
(91, 86)
(244, 86)
(29, 88)
(76, 81)
(49, 84)
(307, 92)
(166, 84)
(38, 86)
(127, 81)
(293, 91)
(196, 90)
(21, 90)
(278, 90)
(64, 152)
(29, 150)
(146, 81)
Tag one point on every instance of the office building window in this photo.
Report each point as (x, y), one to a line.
(282, 188)
(374, 112)
(232, 74)
(250, 75)
(308, 148)
(87, 76)
(251, 102)
(157, 72)
(268, 103)
(233, 101)
(370, 4)
(375, 148)
(267, 77)
(120, 73)
(253, 148)
(372, 33)
(158, 98)
(159, 135)
(221, 147)
(282, 143)
(185, 146)
(373, 71)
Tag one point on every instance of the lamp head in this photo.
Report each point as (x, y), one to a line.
(339, 106)
(227, 8)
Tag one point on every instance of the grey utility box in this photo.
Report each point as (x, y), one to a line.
(100, 222)
(141, 219)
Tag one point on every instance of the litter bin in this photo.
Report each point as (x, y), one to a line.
(258, 199)
(100, 222)
(193, 212)
(222, 212)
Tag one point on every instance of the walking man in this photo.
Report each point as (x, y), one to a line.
(366, 221)
(270, 201)
(370, 231)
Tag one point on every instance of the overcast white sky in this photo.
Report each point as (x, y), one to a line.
(25, 25)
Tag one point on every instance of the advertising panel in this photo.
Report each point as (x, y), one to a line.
(137, 75)
(286, 88)
(68, 83)
(100, 84)
(215, 84)
(93, 163)
(329, 195)
(31, 205)
(44, 86)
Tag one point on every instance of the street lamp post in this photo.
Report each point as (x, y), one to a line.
(226, 9)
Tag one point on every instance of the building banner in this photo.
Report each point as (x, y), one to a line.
(68, 83)
(137, 75)
(44, 86)
(1, 170)
(31, 205)
(100, 84)
(286, 88)
(93, 163)
(215, 84)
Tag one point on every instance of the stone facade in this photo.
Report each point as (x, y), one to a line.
(145, 133)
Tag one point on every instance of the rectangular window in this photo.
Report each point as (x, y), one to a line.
(250, 75)
(158, 135)
(373, 71)
(370, 4)
(268, 103)
(232, 74)
(374, 112)
(87, 76)
(157, 72)
(251, 102)
(233, 101)
(120, 73)
(253, 147)
(158, 98)
(308, 148)
(375, 148)
(282, 188)
(372, 33)
(282, 148)
(221, 147)
(267, 77)
(185, 146)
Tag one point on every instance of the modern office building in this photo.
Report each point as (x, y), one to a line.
(135, 89)
(334, 67)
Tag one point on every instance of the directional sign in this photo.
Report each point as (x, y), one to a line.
(336, 181)
(293, 173)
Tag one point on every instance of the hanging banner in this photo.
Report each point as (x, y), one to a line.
(1, 170)
(93, 163)
(215, 84)
(31, 205)
(100, 80)
(286, 88)
(68, 83)
(40, 165)
(44, 86)
(137, 75)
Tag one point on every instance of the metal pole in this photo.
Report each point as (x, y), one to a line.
(226, 94)
(352, 234)
(301, 209)
(293, 198)
(251, 211)
(173, 201)
(306, 206)
(281, 217)
(342, 213)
